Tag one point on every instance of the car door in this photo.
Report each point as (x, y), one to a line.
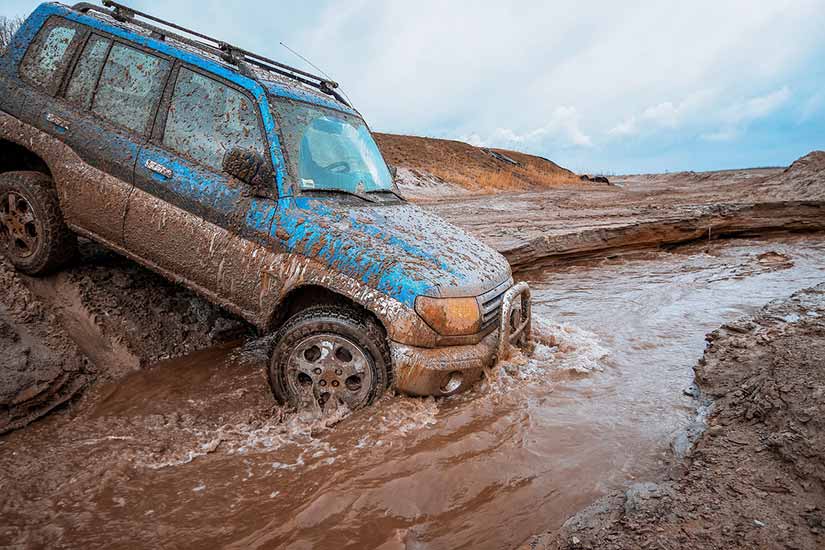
(107, 108)
(186, 216)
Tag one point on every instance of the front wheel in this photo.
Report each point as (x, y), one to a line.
(329, 356)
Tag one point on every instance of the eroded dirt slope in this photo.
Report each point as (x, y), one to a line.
(801, 180)
(40, 365)
(540, 227)
(756, 478)
(430, 168)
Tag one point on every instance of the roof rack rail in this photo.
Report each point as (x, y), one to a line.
(227, 52)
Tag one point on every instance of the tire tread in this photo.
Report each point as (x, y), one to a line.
(59, 243)
(322, 317)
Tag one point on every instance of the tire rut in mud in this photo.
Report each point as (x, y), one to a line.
(97, 320)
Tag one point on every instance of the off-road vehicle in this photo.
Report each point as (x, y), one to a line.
(256, 185)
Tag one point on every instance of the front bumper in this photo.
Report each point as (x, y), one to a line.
(452, 369)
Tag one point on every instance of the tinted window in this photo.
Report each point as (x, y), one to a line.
(130, 87)
(48, 54)
(87, 70)
(207, 119)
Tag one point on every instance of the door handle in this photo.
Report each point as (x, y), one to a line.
(159, 169)
(57, 121)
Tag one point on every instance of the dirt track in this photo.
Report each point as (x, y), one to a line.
(756, 478)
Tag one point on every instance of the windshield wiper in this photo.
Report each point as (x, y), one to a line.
(386, 191)
(343, 192)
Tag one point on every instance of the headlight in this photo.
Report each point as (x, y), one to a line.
(450, 316)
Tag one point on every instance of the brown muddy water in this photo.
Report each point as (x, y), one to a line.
(192, 454)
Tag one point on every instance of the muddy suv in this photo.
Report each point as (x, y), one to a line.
(256, 185)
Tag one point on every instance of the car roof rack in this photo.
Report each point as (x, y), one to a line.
(225, 51)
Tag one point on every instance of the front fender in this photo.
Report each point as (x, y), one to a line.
(289, 272)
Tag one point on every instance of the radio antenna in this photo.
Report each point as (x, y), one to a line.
(314, 66)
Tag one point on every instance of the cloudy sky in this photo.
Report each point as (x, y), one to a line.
(604, 86)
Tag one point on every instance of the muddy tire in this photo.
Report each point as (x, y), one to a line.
(328, 355)
(33, 235)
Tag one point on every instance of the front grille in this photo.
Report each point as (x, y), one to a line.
(490, 303)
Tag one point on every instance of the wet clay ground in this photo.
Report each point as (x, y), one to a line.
(191, 452)
(756, 478)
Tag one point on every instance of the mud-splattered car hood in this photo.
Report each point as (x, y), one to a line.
(398, 249)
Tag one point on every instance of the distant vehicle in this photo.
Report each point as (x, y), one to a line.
(256, 185)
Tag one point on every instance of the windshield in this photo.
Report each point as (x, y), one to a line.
(330, 150)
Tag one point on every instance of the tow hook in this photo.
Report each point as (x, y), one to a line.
(515, 325)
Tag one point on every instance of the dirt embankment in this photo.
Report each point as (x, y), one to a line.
(802, 179)
(97, 320)
(537, 228)
(756, 477)
(40, 366)
(430, 168)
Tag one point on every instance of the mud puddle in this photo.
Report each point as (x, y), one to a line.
(192, 453)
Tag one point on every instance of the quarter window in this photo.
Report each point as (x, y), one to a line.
(207, 119)
(130, 87)
(44, 60)
(83, 81)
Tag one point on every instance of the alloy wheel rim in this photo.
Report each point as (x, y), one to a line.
(19, 230)
(330, 370)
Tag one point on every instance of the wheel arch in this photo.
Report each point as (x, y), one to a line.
(312, 294)
(15, 157)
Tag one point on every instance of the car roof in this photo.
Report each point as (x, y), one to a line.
(257, 79)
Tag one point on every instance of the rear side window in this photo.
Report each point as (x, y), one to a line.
(130, 87)
(48, 55)
(82, 84)
(207, 119)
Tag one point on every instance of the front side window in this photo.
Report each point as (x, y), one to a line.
(47, 55)
(328, 149)
(82, 84)
(130, 87)
(207, 119)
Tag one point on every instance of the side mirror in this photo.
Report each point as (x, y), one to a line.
(252, 169)
(393, 171)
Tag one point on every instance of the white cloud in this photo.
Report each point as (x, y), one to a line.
(735, 117)
(757, 107)
(562, 129)
(629, 127)
(665, 115)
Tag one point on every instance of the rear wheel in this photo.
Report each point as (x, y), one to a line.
(33, 235)
(329, 356)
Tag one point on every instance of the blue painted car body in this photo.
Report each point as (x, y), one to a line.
(391, 248)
